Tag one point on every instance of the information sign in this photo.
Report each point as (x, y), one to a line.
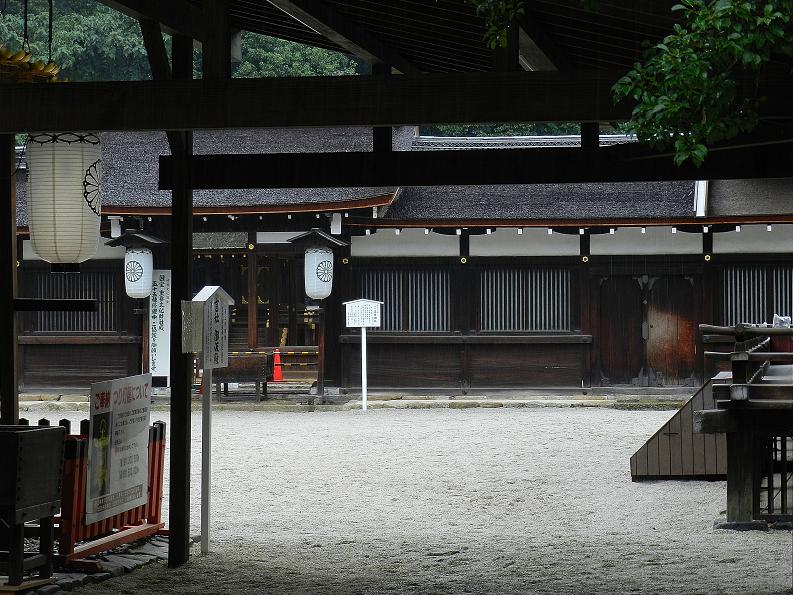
(118, 455)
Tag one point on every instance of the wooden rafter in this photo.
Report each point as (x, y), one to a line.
(346, 33)
(175, 16)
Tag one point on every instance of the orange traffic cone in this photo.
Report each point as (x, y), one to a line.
(278, 374)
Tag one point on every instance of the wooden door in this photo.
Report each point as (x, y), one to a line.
(672, 333)
(620, 343)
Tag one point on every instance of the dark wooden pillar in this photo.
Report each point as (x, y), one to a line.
(334, 319)
(590, 135)
(584, 284)
(253, 329)
(740, 476)
(507, 58)
(707, 293)
(181, 363)
(382, 136)
(216, 46)
(9, 397)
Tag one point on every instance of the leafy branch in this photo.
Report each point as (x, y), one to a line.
(687, 89)
(498, 15)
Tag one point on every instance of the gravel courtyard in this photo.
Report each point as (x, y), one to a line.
(456, 501)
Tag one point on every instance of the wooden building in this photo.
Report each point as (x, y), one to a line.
(484, 287)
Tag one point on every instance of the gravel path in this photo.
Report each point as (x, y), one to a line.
(456, 501)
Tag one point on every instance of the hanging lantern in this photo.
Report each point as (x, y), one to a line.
(318, 272)
(138, 266)
(63, 196)
(318, 261)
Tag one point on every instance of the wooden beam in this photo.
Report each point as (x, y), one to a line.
(54, 305)
(181, 363)
(9, 390)
(345, 32)
(492, 97)
(177, 17)
(216, 49)
(537, 50)
(470, 167)
(507, 59)
(160, 69)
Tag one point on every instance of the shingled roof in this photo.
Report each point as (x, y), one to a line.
(130, 168)
(646, 200)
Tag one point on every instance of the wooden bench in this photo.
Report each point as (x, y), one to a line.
(253, 367)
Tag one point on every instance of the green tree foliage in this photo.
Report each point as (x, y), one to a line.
(686, 87)
(94, 43)
(498, 15)
(267, 56)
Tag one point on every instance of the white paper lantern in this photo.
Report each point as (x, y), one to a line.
(319, 272)
(63, 195)
(138, 266)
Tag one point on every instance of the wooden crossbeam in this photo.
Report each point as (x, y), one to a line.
(469, 167)
(315, 101)
(54, 305)
(715, 421)
(346, 33)
(493, 97)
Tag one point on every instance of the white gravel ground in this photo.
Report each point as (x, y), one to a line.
(456, 501)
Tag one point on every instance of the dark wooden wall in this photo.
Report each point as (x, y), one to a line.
(72, 350)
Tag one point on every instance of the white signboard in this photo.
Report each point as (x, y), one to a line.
(160, 324)
(363, 313)
(118, 454)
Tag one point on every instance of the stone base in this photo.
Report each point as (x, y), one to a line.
(723, 523)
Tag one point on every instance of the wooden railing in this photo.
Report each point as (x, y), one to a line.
(755, 410)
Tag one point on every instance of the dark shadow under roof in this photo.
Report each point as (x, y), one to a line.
(646, 200)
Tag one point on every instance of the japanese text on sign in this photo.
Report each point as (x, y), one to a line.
(119, 441)
(363, 313)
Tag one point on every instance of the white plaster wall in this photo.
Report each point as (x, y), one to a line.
(409, 243)
(102, 252)
(656, 240)
(533, 242)
(275, 237)
(754, 239)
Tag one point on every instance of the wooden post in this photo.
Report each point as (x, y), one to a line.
(206, 455)
(9, 397)
(382, 136)
(590, 135)
(506, 59)
(253, 328)
(181, 363)
(740, 476)
(321, 354)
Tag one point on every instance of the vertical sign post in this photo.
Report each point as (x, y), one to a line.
(363, 314)
(160, 325)
(206, 322)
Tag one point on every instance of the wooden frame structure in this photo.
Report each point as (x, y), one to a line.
(756, 404)
(441, 39)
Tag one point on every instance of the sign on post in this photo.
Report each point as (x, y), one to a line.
(363, 314)
(118, 456)
(205, 322)
(160, 325)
